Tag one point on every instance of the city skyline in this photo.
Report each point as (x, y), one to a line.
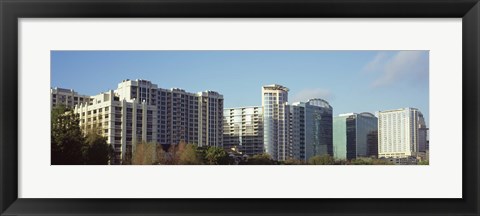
(371, 81)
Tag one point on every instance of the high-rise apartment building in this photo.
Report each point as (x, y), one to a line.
(276, 121)
(310, 129)
(179, 116)
(298, 131)
(140, 111)
(355, 135)
(210, 121)
(66, 97)
(195, 118)
(123, 122)
(243, 130)
(401, 133)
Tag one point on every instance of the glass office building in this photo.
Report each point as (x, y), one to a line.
(311, 129)
(355, 135)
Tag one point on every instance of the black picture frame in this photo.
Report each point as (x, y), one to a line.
(12, 10)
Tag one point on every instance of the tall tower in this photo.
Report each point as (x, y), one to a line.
(275, 118)
(401, 133)
(311, 129)
(318, 124)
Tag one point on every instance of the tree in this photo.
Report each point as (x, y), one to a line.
(217, 156)
(162, 155)
(423, 162)
(321, 160)
(293, 162)
(260, 159)
(98, 152)
(175, 151)
(189, 155)
(144, 154)
(67, 140)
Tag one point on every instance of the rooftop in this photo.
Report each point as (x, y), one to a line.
(275, 87)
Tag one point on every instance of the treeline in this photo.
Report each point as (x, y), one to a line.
(70, 146)
(180, 154)
(190, 154)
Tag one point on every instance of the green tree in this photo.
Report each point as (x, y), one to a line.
(423, 162)
(293, 162)
(67, 140)
(260, 159)
(98, 152)
(216, 156)
(321, 160)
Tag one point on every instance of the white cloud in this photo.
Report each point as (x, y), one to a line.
(306, 94)
(376, 62)
(411, 66)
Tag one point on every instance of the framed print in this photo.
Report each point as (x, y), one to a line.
(226, 107)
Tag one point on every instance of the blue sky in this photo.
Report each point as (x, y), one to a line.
(352, 81)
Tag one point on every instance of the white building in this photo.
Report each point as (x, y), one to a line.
(66, 97)
(243, 130)
(140, 111)
(276, 121)
(123, 122)
(401, 133)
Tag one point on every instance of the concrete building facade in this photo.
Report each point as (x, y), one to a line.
(123, 122)
(401, 133)
(66, 97)
(140, 111)
(243, 130)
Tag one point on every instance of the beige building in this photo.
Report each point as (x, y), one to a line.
(123, 122)
(140, 111)
(66, 97)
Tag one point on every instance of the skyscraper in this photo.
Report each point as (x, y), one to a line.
(275, 120)
(311, 129)
(401, 133)
(243, 130)
(140, 111)
(355, 135)
(123, 122)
